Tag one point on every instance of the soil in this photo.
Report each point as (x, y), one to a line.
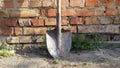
(102, 58)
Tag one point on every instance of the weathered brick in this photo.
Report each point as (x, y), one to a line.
(17, 31)
(35, 3)
(13, 39)
(79, 3)
(107, 2)
(85, 12)
(106, 20)
(37, 22)
(24, 13)
(4, 13)
(22, 3)
(91, 29)
(91, 3)
(99, 29)
(111, 11)
(118, 2)
(117, 20)
(112, 29)
(38, 30)
(99, 11)
(76, 21)
(8, 4)
(24, 22)
(91, 20)
(6, 31)
(8, 22)
(25, 39)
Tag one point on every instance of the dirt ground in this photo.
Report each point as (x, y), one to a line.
(102, 58)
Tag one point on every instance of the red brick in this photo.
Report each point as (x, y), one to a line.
(50, 22)
(6, 31)
(111, 11)
(8, 4)
(118, 2)
(8, 22)
(22, 3)
(79, 3)
(42, 13)
(24, 13)
(68, 12)
(37, 22)
(85, 12)
(91, 20)
(107, 2)
(64, 12)
(92, 3)
(30, 30)
(18, 31)
(75, 21)
(35, 3)
(52, 12)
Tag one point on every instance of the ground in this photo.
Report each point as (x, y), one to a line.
(102, 58)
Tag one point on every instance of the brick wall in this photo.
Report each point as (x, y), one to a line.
(25, 21)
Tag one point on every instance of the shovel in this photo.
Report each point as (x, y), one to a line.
(58, 40)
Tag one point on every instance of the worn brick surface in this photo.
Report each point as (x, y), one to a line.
(24, 22)
(99, 29)
(33, 31)
(24, 13)
(106, 20)
(13, 39)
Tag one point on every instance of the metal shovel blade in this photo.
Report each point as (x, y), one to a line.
(55, 50)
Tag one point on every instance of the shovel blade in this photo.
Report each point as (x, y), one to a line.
(55, 50)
